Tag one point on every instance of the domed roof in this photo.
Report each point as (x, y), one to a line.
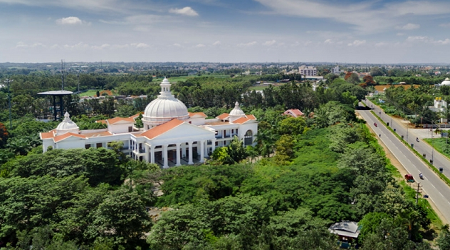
(446, 82)
(165, 107)
(67, 125)
(237, 111)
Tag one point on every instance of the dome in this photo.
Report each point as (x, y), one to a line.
(67, 125)
(237, 111)
(164, 108)
(446, 82)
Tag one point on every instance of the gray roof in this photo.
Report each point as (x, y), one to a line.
(56, 92)
(345, 228)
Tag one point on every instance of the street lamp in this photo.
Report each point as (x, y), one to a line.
(8, 83)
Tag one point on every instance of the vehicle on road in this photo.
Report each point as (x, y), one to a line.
(409, 178)
(421, 176)
(417, 139)
(375, 124)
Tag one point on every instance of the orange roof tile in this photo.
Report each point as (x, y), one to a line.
(161, 129)
(223, 116)
(251, 117)
(136, 115)
(67, 135)
(48, 135)
(103, 133)
(102, 121)
(118, 119)
(241, 120)
(197, 113)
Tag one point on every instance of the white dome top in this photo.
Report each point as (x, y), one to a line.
(446, 82)
(67, 125)
(237, 111)
(165, 108)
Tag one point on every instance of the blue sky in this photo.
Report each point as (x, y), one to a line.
(376, 31)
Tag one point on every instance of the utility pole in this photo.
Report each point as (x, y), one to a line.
(417, 193)
(8, 83)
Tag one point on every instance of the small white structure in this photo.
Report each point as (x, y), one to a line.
(171, 135)
(336, 70)
(346, 230)
(445, 82)
(439, 106)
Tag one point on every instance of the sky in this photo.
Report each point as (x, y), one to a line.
(335, 31)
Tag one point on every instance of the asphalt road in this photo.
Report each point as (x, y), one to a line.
(432, 185)
(439, 161)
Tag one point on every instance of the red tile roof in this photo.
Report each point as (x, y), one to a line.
(197, 113)
(118, 119)
(241, 120)
(48, 135)
(294, 112)
(223, 116)
(67, 135)
(161, 129)
(251, 117)
(95, 134)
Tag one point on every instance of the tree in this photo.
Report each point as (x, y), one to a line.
(138, 122)
(121, 216)
(444, 239)
(284, 149)
(292, 126)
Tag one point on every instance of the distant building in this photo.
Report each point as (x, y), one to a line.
(439, 106)
(336, 70)
(293, 112)
(307, 70)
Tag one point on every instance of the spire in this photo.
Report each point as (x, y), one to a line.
(165, 89)
(67, 117)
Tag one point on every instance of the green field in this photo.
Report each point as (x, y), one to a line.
(88, 93)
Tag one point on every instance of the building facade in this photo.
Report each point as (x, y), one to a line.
(171, 136)
(307, 70)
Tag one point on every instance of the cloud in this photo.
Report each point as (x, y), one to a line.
(247, 44)
(381, 44)
(216, 43)
(357, 43)
(409, 26)
(72, 20)
(269, 43)
(426, 39)
(445, 25)
(363, 16)
(328, 41)
(84, 46)
(187, 11)
(200, 45)
(177, 45)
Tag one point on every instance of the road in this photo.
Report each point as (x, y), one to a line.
(432, 185)
(410, 135)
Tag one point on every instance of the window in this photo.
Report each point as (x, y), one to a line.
(87, 146)
(130, 129)
(99, 145)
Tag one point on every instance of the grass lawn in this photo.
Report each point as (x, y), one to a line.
(257, 87)
(88, 93)
(440, 145)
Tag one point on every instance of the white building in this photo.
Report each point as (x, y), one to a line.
(307, 70)
(336, 70)
(171, 136)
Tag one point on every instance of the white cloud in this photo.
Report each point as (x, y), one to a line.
(200, 45)
(381, 44)
(140, 45)
(269, 43)
(417, 38)
(409, 26)
(445, 25)
(72, 20)
(216, 43)
(328, 41)
(247, 44)
(187, 11)
(177, 45)
(357, 43)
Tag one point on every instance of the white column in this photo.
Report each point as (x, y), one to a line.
(190, 153)
(152, 154)
(213, 145)
(146, 152)
(166, 161)
(178, 155)
(202, 151)
(183, 150)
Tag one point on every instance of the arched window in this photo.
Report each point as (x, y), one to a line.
(248, 138)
